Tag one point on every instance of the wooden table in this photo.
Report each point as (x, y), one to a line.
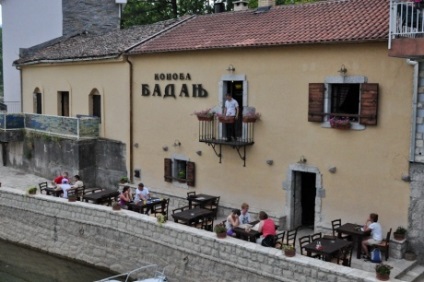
(201, 199)
(101, 197)
(251, 235)
(144, 208)
(355, 231)
(192, 215)
(53, 191)
(329, 249)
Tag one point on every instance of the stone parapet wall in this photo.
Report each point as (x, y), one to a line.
(122, 240)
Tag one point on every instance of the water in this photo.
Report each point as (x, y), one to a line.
(19, 264)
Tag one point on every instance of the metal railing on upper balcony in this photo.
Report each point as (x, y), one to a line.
(406, 19)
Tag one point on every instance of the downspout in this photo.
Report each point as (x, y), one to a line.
(415, 64)
(131, 119)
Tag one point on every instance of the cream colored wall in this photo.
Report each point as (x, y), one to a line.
(110, 79)
(369, 162)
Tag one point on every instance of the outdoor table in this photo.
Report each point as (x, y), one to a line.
(145, 207)
(53, 191)
(102, 196)
(250, 235)
(329, 249)
(191, 215)
(201, 199)
(356, 233)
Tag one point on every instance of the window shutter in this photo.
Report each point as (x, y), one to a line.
(369, 104)
(316, 102)
(168, 170)
(190, 173)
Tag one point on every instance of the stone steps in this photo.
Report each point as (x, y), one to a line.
(415, 273)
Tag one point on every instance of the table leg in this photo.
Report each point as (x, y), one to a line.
(358, 246)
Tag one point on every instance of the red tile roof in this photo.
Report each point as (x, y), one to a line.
(320, 22)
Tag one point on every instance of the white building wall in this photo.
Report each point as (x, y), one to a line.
(25, 23)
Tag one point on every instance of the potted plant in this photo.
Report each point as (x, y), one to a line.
(225, 119)
(205, 115)
(32, 190)
(383, 271)
(116, 206)
(289, 250)
(340, 122)
(72, 198)
(220, 230)
(251, 117)
(124, 180)
(161, 219)
(400, 233)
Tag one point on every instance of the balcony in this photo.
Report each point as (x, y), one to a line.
(212, 133)
(406, 29)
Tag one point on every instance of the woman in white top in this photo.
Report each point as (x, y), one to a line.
(376, 233)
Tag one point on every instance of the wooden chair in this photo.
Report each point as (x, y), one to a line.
(291, 237)
(207, 223)
(305, 240)
(159, 210)
(42, 186)
(344, 256)
(191, 194)
(316, 236)
(279, 239)
(384, 245)
(336, 224)
(213, 206)
(180, 209)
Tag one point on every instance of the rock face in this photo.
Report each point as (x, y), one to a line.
(93, 16)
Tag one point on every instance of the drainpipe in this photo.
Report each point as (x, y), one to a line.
(131, 119)
(415, 64)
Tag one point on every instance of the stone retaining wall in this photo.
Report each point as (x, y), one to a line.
(122, 240)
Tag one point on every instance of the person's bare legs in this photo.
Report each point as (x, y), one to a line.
(365, 247)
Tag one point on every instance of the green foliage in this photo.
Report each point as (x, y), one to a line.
(383, 268)
(220, 228)
(400, 230)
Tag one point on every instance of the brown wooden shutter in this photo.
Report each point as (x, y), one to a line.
(168, 170)
(316, 102)
(369, 104)
(190, 173)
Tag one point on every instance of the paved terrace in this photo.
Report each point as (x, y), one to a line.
(402, 269)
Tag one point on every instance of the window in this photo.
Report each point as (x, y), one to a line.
(37, 103)
(179, 170)
(63, 103)
(95, 104)
(356, 101)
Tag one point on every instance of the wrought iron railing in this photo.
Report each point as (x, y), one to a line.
(406, 20)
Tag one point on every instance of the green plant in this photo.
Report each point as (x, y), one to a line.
(220, 228)
(400, 230)
(182, 174)
(383, 268)
(32, 190)
(161, 219)
(124, 179)
(288, 247)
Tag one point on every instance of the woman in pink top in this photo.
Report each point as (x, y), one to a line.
(267, 228)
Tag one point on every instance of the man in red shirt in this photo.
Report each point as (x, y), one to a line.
(58, 180)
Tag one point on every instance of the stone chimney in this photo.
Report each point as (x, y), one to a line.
(266, 3)
(240, 5)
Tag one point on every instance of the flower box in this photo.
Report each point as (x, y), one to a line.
(206, 117)
(340, 123)
(225, 119)
(249, 119)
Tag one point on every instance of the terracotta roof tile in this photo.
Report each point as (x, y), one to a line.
(320, 22)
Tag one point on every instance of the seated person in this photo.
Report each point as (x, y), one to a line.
(125, 197)
(245, 215)
(232, 221)
(65, 187)
(77, 182)
(267, 228)
(58, 180)
(376, 233)
(141, 194)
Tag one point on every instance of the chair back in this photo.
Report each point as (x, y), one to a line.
(279, 239)
(207, 223)
(305, 240)
(336, 224)
(191, 194)
(180, 209)
(316, 236)
(42, 186)
(291, 237)
(388, 236)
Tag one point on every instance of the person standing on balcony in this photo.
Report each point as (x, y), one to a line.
(231, 109)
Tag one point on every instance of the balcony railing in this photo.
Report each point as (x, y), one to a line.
(406, 20)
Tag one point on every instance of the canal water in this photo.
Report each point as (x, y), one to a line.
(20, 264)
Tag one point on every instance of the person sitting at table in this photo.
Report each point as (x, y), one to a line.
(245, 215)
(376, 233)
(267, 228)
(77, 182)
(65, 187)
(141, 194)
(125, 197)
(58, 180)
(232, 221)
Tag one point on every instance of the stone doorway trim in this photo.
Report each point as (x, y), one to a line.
(289, 187)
